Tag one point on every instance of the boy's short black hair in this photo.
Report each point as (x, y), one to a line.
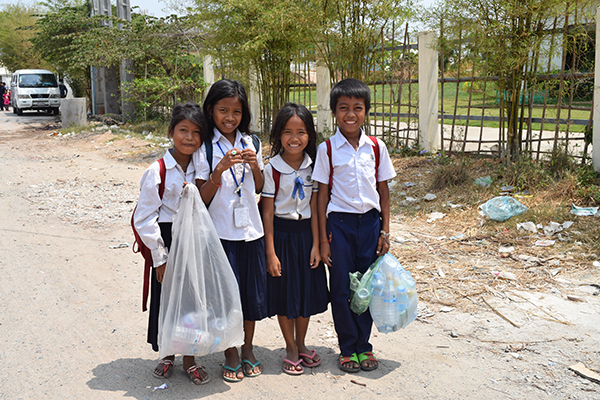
(351, 88)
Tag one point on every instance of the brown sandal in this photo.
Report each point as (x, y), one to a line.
(195, 375)
(166, 365)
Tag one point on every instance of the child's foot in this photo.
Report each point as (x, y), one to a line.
(349, 363)
(198, 375)
(252, 366)
(367, 360)
(164, 367)
(292, 367)
(310, 359)
(232, 369)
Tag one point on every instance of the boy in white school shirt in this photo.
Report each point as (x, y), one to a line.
(354, 216)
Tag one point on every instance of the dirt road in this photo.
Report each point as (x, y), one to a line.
(71, 324)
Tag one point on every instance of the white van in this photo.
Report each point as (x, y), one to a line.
(34, 89)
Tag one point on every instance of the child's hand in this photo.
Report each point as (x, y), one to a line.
(315, 257)
(326, 253)
(273, 266)
(160, 272)
(249, 156)
(232, 157)
(383, 245)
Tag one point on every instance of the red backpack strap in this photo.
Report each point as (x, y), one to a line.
(276, 178)
(146, 253)
(376, 151)
(163, 177)
(328, 144)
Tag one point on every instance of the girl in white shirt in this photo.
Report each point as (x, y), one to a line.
(296, 284)
(153, 217)
(228, 181)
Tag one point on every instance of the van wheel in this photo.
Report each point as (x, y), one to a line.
(55, 110)
(19, 111)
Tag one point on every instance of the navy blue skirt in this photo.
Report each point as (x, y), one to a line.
(300, 291)
(249, 265)
(155, 289)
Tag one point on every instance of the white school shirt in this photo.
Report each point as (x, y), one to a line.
(151, 209)
(221, 206)
(286, 206)
(354, 187)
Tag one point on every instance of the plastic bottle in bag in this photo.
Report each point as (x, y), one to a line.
(389, 305)
(401, 308)
(362, 298)
(411, 290)
(376, 305)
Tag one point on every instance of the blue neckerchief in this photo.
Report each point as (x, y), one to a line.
(298, 187)
(238, 187)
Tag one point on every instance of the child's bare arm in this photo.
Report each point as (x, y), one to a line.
(315, 255)
(268, 211)
(322, 201)
(383, 244)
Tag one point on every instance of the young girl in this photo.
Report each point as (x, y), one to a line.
(228, 178)
(296, 287)
(153, 217)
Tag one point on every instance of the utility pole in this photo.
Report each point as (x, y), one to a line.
(104, 79)
(126, 75)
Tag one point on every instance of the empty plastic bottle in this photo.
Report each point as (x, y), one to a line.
(361, 299)
(411, 291)
(401, 308)
(389, 305)
(376, 305)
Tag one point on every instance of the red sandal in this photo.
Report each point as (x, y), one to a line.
(195, 375)
(166, 365)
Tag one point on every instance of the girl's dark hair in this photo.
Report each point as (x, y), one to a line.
(221, 90)
(350, 88)
(287, 112)
(190, 111)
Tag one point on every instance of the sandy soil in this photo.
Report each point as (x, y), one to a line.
(71, 324)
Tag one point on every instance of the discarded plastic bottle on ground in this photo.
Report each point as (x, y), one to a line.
(401, 308)
(376, 305)
(389, 305)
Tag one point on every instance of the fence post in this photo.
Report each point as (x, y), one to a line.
(596, 123)
(209, 74)
(428, 93)
(255, 122)
(324, 118)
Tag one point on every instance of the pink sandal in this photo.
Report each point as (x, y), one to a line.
(294, 371)
(311, 357)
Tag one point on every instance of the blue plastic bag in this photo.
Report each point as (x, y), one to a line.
(502, 208)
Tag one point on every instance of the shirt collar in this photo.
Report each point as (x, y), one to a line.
(339, 140)
(280, 165)
(238, 138)
(170, 162)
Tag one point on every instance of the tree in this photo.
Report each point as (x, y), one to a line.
(259, 35)
(164, 51)
(16, 51)
(352, 29)
(510, 35)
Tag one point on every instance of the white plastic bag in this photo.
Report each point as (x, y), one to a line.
(200, 307)
(393, 295)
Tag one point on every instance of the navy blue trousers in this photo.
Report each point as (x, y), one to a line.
(353, 245)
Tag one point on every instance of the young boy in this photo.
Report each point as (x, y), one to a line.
(354, 219)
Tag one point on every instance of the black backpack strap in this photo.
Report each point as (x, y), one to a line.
(209, 154)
